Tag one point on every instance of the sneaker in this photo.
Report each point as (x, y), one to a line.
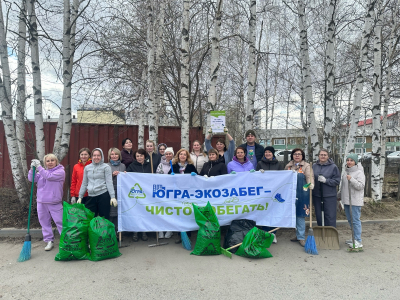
(275, 241)
(50, 245)
(349, 242)
(357, 244)
(135, 237)
(161, 234)
(144, 237)
(168, 234)
(302, 243)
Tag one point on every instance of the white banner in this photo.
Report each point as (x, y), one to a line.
(160, 202)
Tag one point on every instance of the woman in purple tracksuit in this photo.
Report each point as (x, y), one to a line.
(240, 162)
(50, 181)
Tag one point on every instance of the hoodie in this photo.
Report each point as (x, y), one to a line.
(332, 174)
(357, 184)
(49, 184)
(164, 166)
(214, 168)
(97, 179)
(237, 166)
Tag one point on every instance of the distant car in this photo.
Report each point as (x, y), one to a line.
(366, 156)
(393, 157)
(280, 155)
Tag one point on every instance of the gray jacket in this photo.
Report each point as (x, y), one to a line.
(357, 183)
(97, 179)
(121, 168)
(332, 174)
(228, 154)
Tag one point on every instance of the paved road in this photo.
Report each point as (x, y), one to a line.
(169, 272)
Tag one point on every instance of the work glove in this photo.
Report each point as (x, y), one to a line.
(205, 176)
(79, 201)
(252, 171)
(311, 187)
(262, 170)
(233, 172)
(226, 129)
(212, 176)
(113, 202)
(210, 130)
(73, 200)
(193, 174)
(321, 179)
(35, 163)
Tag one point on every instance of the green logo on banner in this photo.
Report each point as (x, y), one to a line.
(136, 192)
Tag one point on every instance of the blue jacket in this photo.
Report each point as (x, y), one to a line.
(228, 155)
(332, 174)
(258, 149)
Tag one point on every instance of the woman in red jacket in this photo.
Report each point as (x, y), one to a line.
(77, 174)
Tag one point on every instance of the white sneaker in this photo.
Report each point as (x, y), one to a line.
(275, 241)
(349, 242)
(357, 244)
(160, 234)
(50, 245)
(168, 234)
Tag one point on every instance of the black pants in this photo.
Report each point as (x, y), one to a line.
(84, 199)
(329, 210)
(100, 205)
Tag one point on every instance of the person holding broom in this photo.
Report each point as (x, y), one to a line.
(327, 176)
(353, 176)
(50, 181)
(303, 169)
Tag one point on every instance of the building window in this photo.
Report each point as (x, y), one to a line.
(292, 141)
(279, 142)
(360, 150)
(360, 140)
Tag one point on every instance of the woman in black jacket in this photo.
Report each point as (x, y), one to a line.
(269, 161)
(214, 166)
(140, 165)
(182, 163)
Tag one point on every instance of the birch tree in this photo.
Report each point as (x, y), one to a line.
(376, 188)
(7, 117)
(185, 75)
(37, 81)
(215, 61)
(306, 80)
(330, 74)
(251, 88)
(64, 125)
(362, 65)
(21, 83)
(141, 112)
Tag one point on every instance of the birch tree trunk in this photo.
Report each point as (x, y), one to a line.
(215, 62)
(393, 41)
(37, 81)
(158, 65)
(307, 80)
(355, 115)
(330, 75)
(141, 112)
(21, 82)
(376, 188)
(64, 125)
(185, 75)
(251, 88)
(151, 114)
(7, 117)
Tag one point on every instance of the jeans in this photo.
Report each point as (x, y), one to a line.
(356, 210)
(300, 228)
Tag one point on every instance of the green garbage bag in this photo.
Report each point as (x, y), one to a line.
(255, 243)
(209, 236)
(102, 239)
(74, 236)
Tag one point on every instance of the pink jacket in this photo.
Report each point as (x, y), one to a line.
(49, 184)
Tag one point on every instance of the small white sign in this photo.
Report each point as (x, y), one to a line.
(217, 118)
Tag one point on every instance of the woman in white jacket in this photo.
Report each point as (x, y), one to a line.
(198, 156)
(353, 175)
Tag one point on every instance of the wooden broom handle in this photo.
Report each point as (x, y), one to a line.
(311, 176)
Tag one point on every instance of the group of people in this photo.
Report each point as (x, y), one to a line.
(94, 182)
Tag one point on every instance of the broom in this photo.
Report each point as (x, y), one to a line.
(26, 248)
(184, 237)
(310, 246)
